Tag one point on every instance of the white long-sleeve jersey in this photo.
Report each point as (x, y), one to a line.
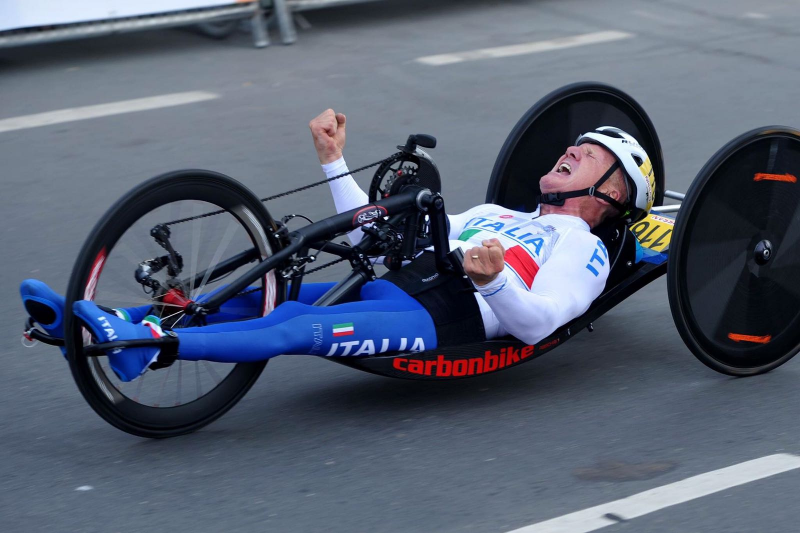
(554, 266)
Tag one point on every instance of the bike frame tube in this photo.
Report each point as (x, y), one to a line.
(228, 265)
(413, 197)
(674, 195)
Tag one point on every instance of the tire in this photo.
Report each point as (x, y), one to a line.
(218, 30)
(104, 272)
(736, 308)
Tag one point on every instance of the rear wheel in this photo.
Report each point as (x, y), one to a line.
(734, 261)
(185, 395)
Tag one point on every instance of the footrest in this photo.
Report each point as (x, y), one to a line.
(33, 334)
(168, 344)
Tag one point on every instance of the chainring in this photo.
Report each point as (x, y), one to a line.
(401, 171)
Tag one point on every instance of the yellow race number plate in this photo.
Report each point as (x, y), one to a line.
(654, 232)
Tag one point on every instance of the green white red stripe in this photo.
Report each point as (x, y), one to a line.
(342, 330)
(154, 323)
(520, 261)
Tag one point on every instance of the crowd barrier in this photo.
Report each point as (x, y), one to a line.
(25, 22)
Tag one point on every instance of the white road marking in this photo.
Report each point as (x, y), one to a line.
(658, 498)
(103, 110)
(525, 48)
(757, 16)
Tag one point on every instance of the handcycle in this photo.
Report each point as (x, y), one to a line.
(184, 243)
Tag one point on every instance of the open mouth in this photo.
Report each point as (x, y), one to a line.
(564, 168)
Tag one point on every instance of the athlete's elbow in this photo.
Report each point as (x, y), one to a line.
(531, 334)
(538, 326)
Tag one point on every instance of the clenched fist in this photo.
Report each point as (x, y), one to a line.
(328, 131)
(483, 263)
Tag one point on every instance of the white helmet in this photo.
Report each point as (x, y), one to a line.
(636, 167)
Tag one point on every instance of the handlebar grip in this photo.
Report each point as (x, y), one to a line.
(425, 140)
(420, 139)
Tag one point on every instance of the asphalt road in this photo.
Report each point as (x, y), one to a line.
(318, 447)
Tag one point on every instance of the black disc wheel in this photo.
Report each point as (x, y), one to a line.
(149, 254)
(553, 124)
(734, 261)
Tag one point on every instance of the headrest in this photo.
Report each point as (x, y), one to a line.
(551, 125)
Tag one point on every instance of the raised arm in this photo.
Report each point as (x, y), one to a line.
(563, 289)
(329, 133)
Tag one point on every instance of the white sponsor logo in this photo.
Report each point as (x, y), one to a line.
(363, 218)
(367, 347)
(111, 335)
(317, 329)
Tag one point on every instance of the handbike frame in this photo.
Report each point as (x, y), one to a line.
(317, 235)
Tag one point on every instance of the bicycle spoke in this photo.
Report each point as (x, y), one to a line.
(139, 387)
(163, 385)
(223, 245)
(197, 379)
(213, 372)
(180, 383)
(195, 251)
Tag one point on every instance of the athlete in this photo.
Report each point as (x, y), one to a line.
(532, 272)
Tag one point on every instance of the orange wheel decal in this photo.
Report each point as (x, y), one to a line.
(736, 337)
(787, 178)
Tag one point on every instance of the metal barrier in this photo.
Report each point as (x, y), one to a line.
(286, 21)
(254, 10)
(78, 30)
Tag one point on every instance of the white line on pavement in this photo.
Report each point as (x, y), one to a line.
(665, 496)
(103, 110)
(525, 48)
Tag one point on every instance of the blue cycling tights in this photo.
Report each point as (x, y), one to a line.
(385, 319)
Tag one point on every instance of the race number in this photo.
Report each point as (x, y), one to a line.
(654, 232)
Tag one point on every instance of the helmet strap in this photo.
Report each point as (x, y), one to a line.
(558, 198)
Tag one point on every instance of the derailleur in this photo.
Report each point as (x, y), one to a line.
(144, 273)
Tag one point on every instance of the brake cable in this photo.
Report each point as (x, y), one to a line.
(392, 158)
(387, 161)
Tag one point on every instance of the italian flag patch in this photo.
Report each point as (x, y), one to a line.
(342, 330)
(468, 234)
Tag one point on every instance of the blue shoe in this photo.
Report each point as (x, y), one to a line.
(45, 306)
(128, 363)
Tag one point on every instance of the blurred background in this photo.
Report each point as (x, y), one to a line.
(315, 446)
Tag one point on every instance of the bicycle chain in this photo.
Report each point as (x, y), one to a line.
(391, 158)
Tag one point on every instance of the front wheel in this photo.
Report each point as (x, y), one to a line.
(210, 251)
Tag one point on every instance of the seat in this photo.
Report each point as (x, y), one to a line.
(547, 129)
(554, 123)
(620, 243)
